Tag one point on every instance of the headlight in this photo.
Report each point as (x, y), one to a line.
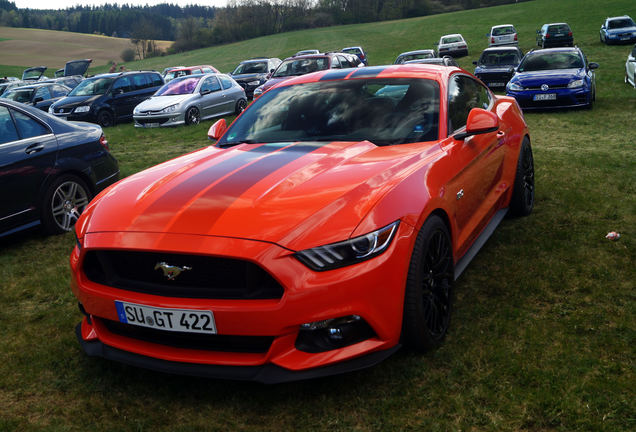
(576, 83)
(348, 252)
(253, 83)
(258, 91)
(169, 109)
(82, 109)
(514, 86)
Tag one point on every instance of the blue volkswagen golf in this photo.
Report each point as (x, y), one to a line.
(554, 78)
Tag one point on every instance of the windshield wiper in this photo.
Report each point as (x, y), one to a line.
(235, 143)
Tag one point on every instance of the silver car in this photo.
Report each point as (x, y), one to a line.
(190, 99)
(502, 35)
(630, 68)
(453, 45)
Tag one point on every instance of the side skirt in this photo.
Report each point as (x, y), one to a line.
(480, 242)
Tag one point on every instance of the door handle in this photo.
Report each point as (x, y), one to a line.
(501, 134)
(33, 148)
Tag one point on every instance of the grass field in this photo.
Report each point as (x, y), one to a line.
(543, 332)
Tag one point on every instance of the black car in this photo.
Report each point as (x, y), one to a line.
(252, 73)
(555, 35)
(41, 95)
(49, 169)
(108, 98)
(496, 65)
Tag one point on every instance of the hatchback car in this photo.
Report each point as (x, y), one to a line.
(554, 78)
(505, 34)
(555, 35)
(41, 95)
(630, 68)
(414, 55)
(357, 51)
(107, 99)
(189, 100)
(496, 65)
(49, 169)
(254, 72)
(173, 73)
(453, 45)
(620, 29)
(323, 230)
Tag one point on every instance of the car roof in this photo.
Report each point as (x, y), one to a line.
(353, 47)
(502, 48)
(502, 25)
(417, 52)
(453, 34)
(619, 17)
(557, 23)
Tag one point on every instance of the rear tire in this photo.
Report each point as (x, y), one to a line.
(522, 200)
(63, 203)
(428, 292)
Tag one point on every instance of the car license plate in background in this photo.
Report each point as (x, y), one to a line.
(180, 320)
(497, 84)
(545, 96)
(151, 125)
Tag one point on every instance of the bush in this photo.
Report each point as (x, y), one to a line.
(128, 55)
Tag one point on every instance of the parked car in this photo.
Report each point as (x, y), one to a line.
(300, 65)
(108, 99)
(496, 65)
(190, 99)
(307, 51)
(414, 55)
(41, 95)
(254, 72)
(453, 45)
(168, 69)
(504, 34)
(555, 35)
(190, 70)
(323, 230)
(72, 73)
(442, 61)
(630, 68)
(6, 86)
(554, 78)
(49, 169)
(33, 74)
(357, 51)
(349, 60)
(620, 29)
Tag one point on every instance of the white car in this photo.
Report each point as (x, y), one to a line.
(453, 45)
(630, 68)
(505, 34)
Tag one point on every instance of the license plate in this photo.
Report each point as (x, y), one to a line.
(497, 84)
(545, 96)
(558, 35)
(178, 320)
(151, 125)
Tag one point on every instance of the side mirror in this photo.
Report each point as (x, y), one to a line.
(217, 130)
(118, 91)
(593, 66)
(475, 62)
(479, 122)
(603, 27)
(269, 75)
(271, 71)
(38, 99)
(511, 70)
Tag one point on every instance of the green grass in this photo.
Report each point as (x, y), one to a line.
(543, 331)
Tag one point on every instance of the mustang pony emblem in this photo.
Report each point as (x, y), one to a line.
(170, 271)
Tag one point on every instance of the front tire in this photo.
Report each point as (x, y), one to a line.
(105, 119)
(241, 104)
(192, 116)
(522, 201)
(428, 293)
(63, 203)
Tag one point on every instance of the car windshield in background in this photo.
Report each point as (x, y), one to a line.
(620, 23)
(383, 111)
(251, 68)
(451, 39)
(415, 56)
(498, 58)
(553, 60)
(301, 66)
(180, 86)
(92, 87)
(23, 96)
(562, 29)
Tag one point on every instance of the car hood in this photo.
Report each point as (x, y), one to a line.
(550, 77)
(248, 77)
(297, 195)
(72, 101)
(157, 103)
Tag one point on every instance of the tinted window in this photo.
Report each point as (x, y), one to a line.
(301, 66)
(211, 84)
(559, 29)
(8, 131)
(140, 81)
(28, 127)
(335, 63)
(499, 58)
(42, 92)
(122, 83)
(90, 87)
(58, 91)
(551, 60)
(225, 81)
(464, 94)
(156, 80)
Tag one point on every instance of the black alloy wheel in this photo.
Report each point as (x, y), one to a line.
(522, 201)
(105, 119)
(241, 104)
(192, 116)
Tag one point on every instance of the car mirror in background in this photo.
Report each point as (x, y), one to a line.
(593, 66)
(512, 70)
(217, 130)
(479, 122)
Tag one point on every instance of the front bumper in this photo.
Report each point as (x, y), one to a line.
(564, 98)
(158, 120)
(453, 52)
(373, 290)
(617, 38)
(494, 79)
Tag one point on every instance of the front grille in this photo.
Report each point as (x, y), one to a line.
(152, 120)
(196, 341)
(207, 277)
(550, 87)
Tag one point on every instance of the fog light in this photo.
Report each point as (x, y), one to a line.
(326, 335)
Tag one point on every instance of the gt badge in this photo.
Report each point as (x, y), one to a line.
(170, 271)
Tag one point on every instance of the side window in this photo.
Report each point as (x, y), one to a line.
(122, 83)
(335, 64)
(28, 127)
(42, 92)
(58, 91)
(211, 84)
(225, 81)
(140, 82)
(464, 94)
(8, 131)
(156, 79)
(344, 62)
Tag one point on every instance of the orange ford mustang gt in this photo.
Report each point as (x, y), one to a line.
(322, 231)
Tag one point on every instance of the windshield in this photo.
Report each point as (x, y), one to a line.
(500, 31)
(23, 95)
(553, 60)
(383, 111)
(620, 23)
(301, 66)
(414, 56)
(90, 87)
(251, 68)
(499, 58)
(180, 86)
